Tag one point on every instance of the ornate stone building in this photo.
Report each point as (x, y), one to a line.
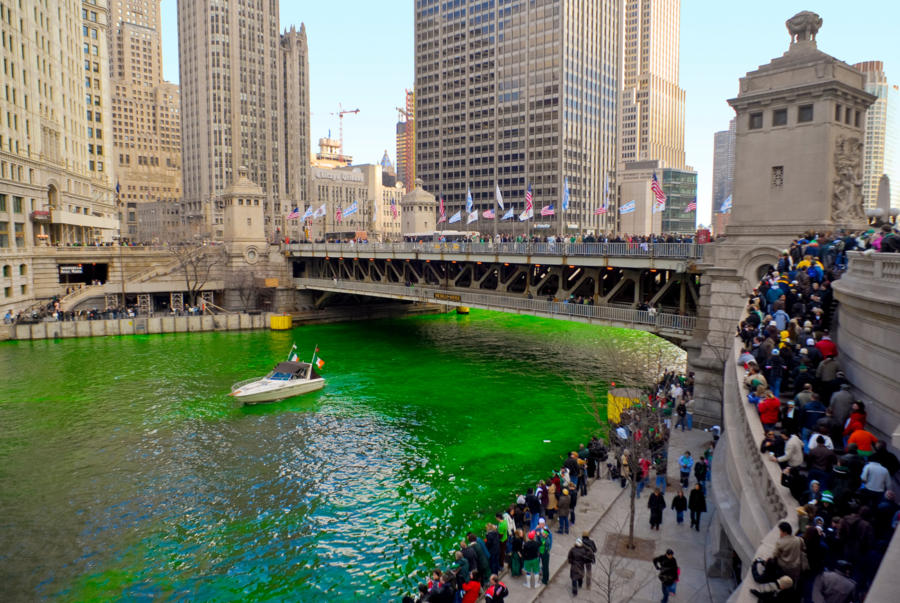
(146, 119)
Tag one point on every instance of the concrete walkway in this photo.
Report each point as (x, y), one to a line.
(604, 511)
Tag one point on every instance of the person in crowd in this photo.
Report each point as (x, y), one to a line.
(696, 505)
(780, 589)
(545, 538)
(789, 552)
(531, 552)
(656, 504)
(496, 591)
(667, 566)
(769, 410)
(516, 560)
(563, 504)
(836, 586)
(685, 464)
(471, 589)
(876, 480)
(679, 505)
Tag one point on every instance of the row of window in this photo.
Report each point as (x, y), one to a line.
(805, 114)
(8, 270)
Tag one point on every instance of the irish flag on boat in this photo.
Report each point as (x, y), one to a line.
(293, 357)
(318, 362)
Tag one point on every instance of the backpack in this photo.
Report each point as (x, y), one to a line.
(764, 570)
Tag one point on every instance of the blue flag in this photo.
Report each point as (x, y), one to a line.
(565, 203)
(468, 201)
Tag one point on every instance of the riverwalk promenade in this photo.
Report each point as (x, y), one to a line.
(604, 512)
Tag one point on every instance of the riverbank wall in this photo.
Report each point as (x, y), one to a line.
(192, 324)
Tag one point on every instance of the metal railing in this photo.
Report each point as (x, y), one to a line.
(641, 250)
(626, 316)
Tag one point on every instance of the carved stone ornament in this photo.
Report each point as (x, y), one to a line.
(847, 199)
(804, 26)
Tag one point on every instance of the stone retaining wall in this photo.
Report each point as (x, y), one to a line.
(135, 326)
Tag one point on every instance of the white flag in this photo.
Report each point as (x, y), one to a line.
(456, 217)
(498, 196)
(472, 217)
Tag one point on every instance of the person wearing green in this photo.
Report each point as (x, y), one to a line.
(503, 521)
(545, 537)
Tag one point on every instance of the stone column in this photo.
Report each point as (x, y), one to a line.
(722, 300)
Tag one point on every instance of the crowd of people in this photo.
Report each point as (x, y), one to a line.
(839, 472)
(520, 538)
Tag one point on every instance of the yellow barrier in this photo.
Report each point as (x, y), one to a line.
(281, 323)
(618, 399)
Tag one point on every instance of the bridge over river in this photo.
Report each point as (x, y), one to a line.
(602, 283)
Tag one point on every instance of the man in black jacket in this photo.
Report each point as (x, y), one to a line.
(668, 573)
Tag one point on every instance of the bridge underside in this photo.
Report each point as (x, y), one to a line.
(599, 295)
(665, 290)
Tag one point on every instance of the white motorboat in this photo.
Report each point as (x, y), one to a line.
(287, 379)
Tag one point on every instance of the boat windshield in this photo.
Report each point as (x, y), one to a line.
(280, 376)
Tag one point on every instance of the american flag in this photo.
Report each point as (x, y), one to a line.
(692, 206)
(657, 191)
(548, 210)
(338, 215)
(488, 214)
(394, 208)
(528, 199)
(600, 211)
(295, 213)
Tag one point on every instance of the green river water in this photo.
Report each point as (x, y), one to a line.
(126, 473)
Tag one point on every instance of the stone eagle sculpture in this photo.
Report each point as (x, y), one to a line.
(804, 26)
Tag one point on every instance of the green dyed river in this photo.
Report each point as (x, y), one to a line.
(126, 473)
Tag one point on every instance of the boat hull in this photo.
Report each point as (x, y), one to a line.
(260, 392)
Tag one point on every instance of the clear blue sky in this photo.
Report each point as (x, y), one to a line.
(362, 55)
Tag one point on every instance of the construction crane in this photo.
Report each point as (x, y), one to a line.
(341, 113)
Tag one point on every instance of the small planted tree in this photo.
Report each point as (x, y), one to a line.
(198, 264)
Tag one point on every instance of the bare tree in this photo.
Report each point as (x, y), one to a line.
(637, 371)
(617, 574)
(245, 282)
(198, 264)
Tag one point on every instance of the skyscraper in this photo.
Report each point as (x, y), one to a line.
(723, 165)
(652, 109)
(515, 95)
(880, 146)
(232, 107)
(406, 142)
(295, 74)
(146, 121)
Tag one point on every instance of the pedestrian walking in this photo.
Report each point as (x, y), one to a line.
(579, 556)
(668, 573)
(700, 468)
(696, 505)
(685, 464)
(681, 411)
(679, 505)
(515, 554)
(656, 504)
(592, 547)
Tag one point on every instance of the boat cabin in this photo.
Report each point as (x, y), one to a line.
(285, 371)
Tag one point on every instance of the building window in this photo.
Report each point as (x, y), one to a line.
(779, 117)
(23, 269)
(858, 121)
(837, 112)
(777, 176)
(20, 235)
(756, 121)
(17, 205)
(805, 113)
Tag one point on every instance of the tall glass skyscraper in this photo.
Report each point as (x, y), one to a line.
(880, 145)
(519, 93)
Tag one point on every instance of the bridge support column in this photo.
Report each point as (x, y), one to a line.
(722, 299)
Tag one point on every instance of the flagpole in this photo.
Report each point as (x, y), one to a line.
(496, 209)
(316, 349)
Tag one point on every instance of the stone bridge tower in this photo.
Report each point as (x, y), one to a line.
(798, 167)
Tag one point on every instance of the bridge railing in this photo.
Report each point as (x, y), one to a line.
(640, 250)
(629, 316)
